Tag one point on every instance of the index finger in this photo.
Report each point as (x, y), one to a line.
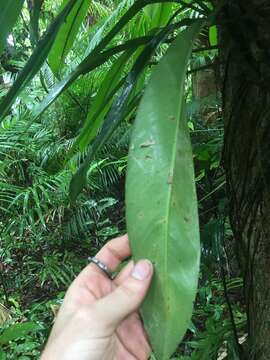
(111, 254)
(114, 252)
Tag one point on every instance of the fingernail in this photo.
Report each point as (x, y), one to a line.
(142, 270)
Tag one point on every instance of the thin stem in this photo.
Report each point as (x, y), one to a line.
(223, 276)
(4, 286)
(212, 192)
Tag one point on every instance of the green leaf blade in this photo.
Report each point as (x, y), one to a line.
(67, 34)
(101, 102)
(159, 14)
(213, 35)
(17, 331)
(35, 61)
(162, 217)
(10, 11)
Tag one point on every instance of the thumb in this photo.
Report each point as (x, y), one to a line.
(127, 297)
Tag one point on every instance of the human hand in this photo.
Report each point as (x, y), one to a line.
(98, 319)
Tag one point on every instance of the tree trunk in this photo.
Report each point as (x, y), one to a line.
(246, 105)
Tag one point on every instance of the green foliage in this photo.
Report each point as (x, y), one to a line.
(28, 338)
(17, 331)
(102, 102)
(67, 34)
(53, 268)
(213, 36)
(159, 14)
(36, 60)
(160, 163)
(33, 188)
(80, 116)
(9, 14)
(119, 109)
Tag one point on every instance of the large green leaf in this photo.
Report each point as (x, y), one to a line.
(17, 331)
(162, 217)
(88, 64)
(35, 61)
(117, 112)
(112, 120)
(67, 34)
(9, 12)
(159, 14)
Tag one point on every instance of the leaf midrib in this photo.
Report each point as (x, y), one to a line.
(168, 209)
(171, 171)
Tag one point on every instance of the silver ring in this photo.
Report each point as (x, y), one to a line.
(101, 266)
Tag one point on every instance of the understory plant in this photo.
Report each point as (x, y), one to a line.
(77, 78)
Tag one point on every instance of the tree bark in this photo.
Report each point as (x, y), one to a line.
(246, 105)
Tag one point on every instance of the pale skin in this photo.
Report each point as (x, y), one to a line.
(99, 317)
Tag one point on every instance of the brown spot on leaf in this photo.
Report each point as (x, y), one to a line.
(147, 143)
